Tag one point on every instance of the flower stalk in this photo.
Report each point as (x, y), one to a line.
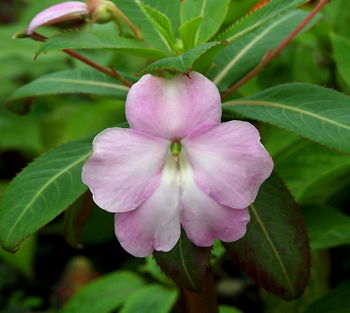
(204, 302)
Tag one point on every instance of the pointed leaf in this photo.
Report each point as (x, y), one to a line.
(104, 294)
(42, 191)
(186, 264)
(86, 81)
(275, 250)
(161, 24)
(188, 31)
(98, 40)
(213, 13)
(182, 63)
(314, 112)
(258, 18)
(153, 298)
(239, 57)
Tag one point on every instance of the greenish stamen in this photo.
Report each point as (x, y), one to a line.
(175, 148)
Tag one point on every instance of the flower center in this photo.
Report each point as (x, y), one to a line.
(175, 148)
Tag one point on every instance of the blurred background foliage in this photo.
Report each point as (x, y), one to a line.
(70, 252)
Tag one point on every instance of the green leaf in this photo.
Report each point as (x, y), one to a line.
(258, 18)
(161, 24)
(341, 48)
(317, 287)
(99, 40)
(153, 298)
(42, 191)
(313, 172)
(154, 270)
(241, 56)
(186, 264)
(327, 227)
(314, 112)
(213, 13)
(138, 17)
(24, 258)
(275, 250)
(188, 31)
(86, 81)
(182, 63)
(170, 8)
(105, 294)
(337, 301)
(228, 309)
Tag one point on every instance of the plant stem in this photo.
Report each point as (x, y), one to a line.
(108, 71)
(118, 13)
(270, 55)
(204, 302)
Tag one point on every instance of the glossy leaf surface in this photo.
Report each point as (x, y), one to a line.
(275, 250)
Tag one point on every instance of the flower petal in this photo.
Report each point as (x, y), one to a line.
(125, 168)
(171, 108)
(58, 13)
(229, 162)
(205, 220)
(155, 224)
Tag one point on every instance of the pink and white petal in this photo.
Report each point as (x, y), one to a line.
(205, 220)
(58, 13)
(155, 224)
(229, 162)
(172, 108)
(125, 168)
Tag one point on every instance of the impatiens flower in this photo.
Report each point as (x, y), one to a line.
(64, 11)
(176, 165)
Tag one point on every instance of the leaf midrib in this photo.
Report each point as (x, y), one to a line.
(285, 107)
(87, 82)
(39, 192)
(273, 247)
(184, 264)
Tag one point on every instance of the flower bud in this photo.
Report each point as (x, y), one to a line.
(64, 11)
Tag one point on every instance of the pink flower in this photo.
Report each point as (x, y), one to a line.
(64, 11)
(176, 165)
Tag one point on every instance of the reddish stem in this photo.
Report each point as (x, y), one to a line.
(270, 55)
(204, 302)
(108, 71)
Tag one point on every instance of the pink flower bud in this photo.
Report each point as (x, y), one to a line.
(65, 11)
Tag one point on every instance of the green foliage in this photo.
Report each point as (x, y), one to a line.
(228, 309)
(212, 14)
(153, 298)
(328, 227)
(99, 40)
(182, 63)
(266, 252)
(341, 48)
(242, 55)
(219, 39)
(85, 81)
(161, 24)
(255, 20)
(42, 191)
(336, 301)
(188, 31)
(105, 294)
(186, 264)
(325, 118)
